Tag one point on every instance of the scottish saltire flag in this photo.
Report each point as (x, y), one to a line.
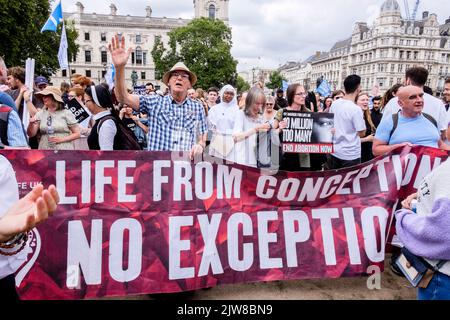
(62, 53)
(55, 19)
(285, 85)
(324, 89)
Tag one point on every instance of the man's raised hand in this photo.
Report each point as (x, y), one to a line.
(119, 55)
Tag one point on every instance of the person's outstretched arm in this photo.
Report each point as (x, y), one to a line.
(28, 212)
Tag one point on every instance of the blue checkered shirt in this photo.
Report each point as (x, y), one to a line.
(172, 126)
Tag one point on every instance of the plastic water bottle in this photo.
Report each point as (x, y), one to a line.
(50, 132)
(414, 206)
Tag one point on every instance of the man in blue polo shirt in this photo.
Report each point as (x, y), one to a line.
(413, 126)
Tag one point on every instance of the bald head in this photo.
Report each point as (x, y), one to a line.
(410, 98)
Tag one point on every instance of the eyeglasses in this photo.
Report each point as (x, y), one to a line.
(185, 76)
(269, 104)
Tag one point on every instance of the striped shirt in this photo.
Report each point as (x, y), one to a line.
(172, 126)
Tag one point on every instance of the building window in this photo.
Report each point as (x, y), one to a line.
(103, 36)
(138, 38)
(87, 56)
(143, 77)
(64, 73)
(88, 73)
(74, 71)
(104, 57)
(87, 36)
(144, 58)
(103, 74)
(138, 55)
(212, 11)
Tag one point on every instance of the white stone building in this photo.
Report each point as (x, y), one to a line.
(381, 53)
(298, 72)
(332, 65)
(96, 30)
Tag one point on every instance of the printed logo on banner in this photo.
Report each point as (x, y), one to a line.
(34, 248)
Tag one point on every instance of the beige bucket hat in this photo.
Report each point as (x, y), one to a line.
(51, 91)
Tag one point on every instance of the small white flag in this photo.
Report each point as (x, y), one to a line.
(62, 53)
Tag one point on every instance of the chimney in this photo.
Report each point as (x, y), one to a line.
(80, 7)
(425, 15)
(113, 9)
(149, 11)
(317, 53)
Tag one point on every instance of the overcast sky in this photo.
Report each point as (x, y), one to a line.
(268, 33)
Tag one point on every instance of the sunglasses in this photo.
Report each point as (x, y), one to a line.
(269, 104)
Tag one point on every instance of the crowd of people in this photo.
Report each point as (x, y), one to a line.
(243, 128)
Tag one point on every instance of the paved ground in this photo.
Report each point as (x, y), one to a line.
(392, 288)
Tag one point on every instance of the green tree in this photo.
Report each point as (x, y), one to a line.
(242, 85)
(204, 45)
(275, 80)
(21, 36)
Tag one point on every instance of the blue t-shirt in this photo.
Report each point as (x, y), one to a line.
(7, 100)
(418, 131)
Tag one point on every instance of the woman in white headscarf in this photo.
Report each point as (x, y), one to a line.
(221, 119)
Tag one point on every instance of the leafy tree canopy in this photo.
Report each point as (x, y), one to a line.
(204, 45)
(21, 36)
(275, 80)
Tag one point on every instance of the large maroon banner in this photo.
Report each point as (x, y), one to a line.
(139, 222)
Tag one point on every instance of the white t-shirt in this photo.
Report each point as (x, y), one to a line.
(432, 106)
(245, 151)
(348, 121)
(9, 194)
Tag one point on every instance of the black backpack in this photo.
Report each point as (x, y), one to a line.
(395, 121)
(125, 138)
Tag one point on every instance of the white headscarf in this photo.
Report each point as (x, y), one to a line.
(228, 88)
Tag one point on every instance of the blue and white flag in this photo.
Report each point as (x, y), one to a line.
(285, 85)
(62, 53)
(324, 89)
(55, 19)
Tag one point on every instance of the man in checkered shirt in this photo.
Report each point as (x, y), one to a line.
(176, 123)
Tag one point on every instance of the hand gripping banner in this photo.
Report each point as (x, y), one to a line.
(138, 222)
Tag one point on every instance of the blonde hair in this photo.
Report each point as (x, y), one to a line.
(367, 114)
